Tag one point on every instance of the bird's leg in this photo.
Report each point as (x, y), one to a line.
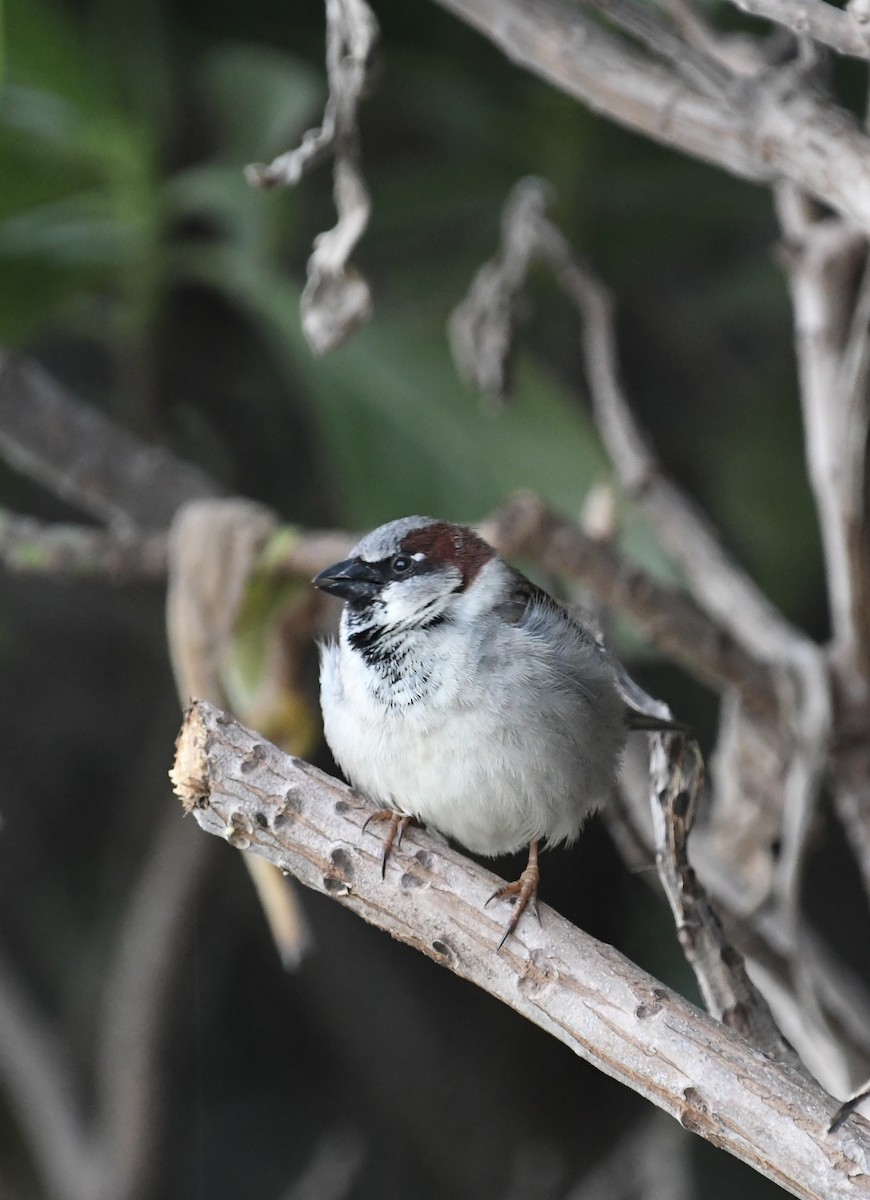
(398, 823)
(522, 892)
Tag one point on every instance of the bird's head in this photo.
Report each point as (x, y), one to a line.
(410, 573)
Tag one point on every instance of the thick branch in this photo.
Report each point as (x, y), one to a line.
(766, 129)
(586, 994)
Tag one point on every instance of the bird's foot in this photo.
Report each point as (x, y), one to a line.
(397, 823)
(522, 893)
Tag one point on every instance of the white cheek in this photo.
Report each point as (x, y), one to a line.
(403, 599)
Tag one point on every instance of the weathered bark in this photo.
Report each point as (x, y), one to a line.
(584, 993)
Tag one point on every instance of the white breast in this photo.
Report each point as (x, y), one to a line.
(483, 737)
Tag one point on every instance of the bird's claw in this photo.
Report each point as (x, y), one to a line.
(397, 822)
(522, 893)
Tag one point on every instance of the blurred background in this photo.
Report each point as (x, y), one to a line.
(142, 271)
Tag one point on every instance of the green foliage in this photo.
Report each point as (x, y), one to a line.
(83, 214)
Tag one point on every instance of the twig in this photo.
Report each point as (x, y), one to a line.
(814, 18)
(729, 994)
(721, 587)
(32, 547)
(40, 1089)
(854, 393)
(135, 1010)
(742, 53)
(714, 578)
(822, 259)
(77, 551)
(336, 299)
(831, 1034)
(796, 666)
(105, 1155)
(527, 235)
(85, 458)
(583, 992)
(851, 790)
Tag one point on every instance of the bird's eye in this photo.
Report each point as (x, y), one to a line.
(401, 564)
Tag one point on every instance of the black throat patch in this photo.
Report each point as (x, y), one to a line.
(394, 655)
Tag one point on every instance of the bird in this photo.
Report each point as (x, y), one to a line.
(461, 695)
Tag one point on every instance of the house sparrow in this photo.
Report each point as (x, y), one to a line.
(461, 694)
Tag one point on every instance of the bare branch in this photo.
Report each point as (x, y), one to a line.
(480, 334)
(851, 788)
(817, 1002)
(715, 579)
(213, 548)
(583, 992)
(814, 18)
(854, 391)
(730, 995)
(720, 586)
(36, 548)
(742, 53)
(643, 23)
(107, 1157)
(858, 12)
(798, 671)
(213, 545)
(336, 299)
(772, 127)
(135, 1011)
(32, 547)
(40, 1089)
(86, 458)
(823, 257)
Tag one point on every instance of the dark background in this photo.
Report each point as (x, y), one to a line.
(137, 265)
